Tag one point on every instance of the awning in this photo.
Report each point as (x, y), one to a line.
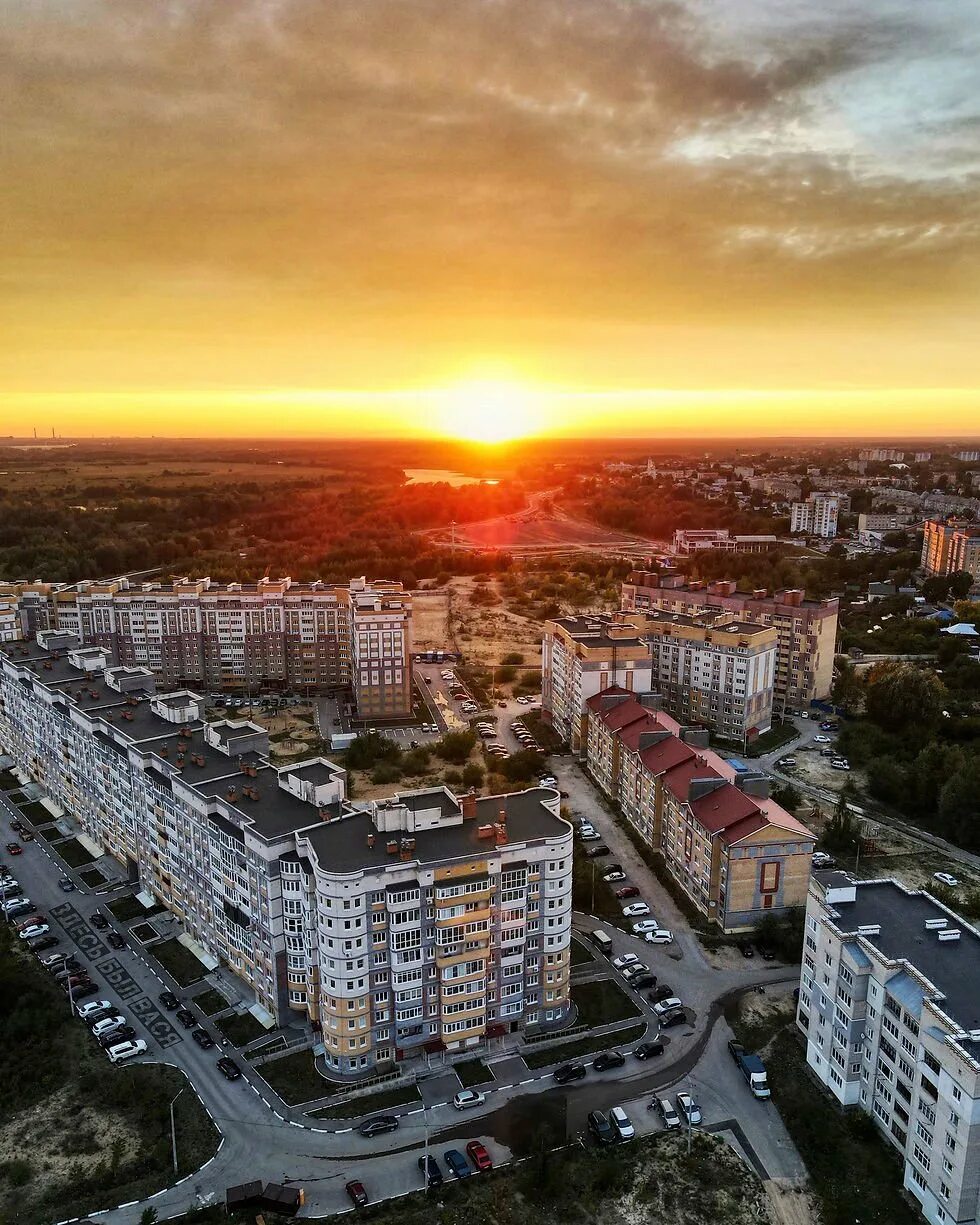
(146, 900)
(55, 809)
(91, 846)
(263, 1016)
(201, 953)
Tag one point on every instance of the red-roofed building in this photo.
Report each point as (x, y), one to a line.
(736, 853)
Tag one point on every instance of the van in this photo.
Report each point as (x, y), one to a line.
(601, 941)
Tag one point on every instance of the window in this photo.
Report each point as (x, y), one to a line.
(956, 1094)
(922, 1157)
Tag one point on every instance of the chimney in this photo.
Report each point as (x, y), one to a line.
(652, 701)
(696, 737)
(468, 805)
(392, 847)
(370, 840)
(759, 593)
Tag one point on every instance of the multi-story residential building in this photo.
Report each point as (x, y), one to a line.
(890, 1007)
(817, 516)
(581, 656)
(693, 540)
(10, 630)
(967, 457)
(884, 522)
(736, 853)
(398, 925)
(806, 629)
(921, 457)
(881, 455)
(243, 636)
(950, 546)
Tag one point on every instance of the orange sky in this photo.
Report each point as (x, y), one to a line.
(327, 219)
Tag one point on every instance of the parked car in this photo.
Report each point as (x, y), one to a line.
(26, 835)
(621, 1123)
(588, 834)
(647, 1050)
(125, 1033)
(380, 1125)
(670, 1117)
(43, 942)
(34, 920)
(677, 1017)
(689, 1108)
(430, 1168)
(14, 848)
(645, 925)
(640, 982)
(126, 1050)
(549, 780)
(608, 1059)
(467, 1098)
(667, 1005)
(84, 988)
(746, 950)
(601, 1128)
(839, 764)
(66, 885)
(569, 1072)
(456, 1163)
(627, 959)
(56, 960)
(822, 860)
(108, 1024)
(635, 909)
(99, 921)
(87, 1010)
(355, 1189)
(659, 935)
(478, 1154)
(115, 941)
(186, 1017)
(229, 1069)
(945, 878)
(821, 740)
(596, 852)
(637, 967)
(627, 891)
(828, 752)
(169, 1000)
(614, 872)
(203, 1039)
(16, 824)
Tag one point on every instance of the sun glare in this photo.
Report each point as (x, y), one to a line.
(489, 410)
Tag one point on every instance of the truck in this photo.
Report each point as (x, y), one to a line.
(752, 1068)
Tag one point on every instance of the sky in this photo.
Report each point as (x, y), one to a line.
(482, 217)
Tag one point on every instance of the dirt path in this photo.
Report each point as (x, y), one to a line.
(791, 1203)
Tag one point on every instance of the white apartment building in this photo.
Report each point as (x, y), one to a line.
(890, 1007)
(817, 516)
(421, 922)
(10, 630)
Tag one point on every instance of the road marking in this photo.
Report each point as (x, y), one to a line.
(528, 1082)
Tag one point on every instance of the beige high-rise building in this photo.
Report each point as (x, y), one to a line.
(951, 545)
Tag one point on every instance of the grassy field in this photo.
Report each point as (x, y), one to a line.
(73, 853)
(583, 1047)
(179, 962)
(472, 1072)
(127, 908)
(581, 954)
(35, 812)
(210, 1002)
(7, 781)
(602, 1002)
(295, 1078)
(240, 1029)
(370, 1103)
(78, 1135)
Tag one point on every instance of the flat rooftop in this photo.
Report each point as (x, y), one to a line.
(953, 966)
(342, 846)
(592, 631)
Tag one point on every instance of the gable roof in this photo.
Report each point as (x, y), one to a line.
(723, 807)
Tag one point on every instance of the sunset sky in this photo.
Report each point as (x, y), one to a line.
(578, 216)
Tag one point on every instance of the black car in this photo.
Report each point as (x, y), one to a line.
(643, 980)
(203, 1039)
(601, 1128)
(678, 1016)
(747, 950)
(88, 988)
(597, 851)
(229, 1069)
(607, 1060)
(766, 954)
(115, 941)
(186, 1018)
(663, 992)
(66, 885)
(569, 1072)
(125, 1033)
(646, 1050)
(40, 943)
(99, 921)
(379, 1125)
(430, 1168)
(169, 1000)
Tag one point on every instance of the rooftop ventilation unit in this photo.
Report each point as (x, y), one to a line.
(934, 924)
(869, 929)
(951, 933)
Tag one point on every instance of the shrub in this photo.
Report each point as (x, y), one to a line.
(386, 772)
(472, 775)
(514, 658)
(16, 1171)
(506, 674)
(455, 746)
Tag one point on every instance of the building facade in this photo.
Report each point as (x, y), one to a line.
(734, 851)
(890, 1008)
(883, 522)
(303, 636)
(950, 546)
(694, 540)
(419, 922)
(817, 516)
(806, 630)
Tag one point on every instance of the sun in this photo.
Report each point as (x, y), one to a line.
(489, 411)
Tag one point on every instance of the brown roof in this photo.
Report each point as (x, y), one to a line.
(723, 807)
(665, 755)
(678, 778)
(596, 701)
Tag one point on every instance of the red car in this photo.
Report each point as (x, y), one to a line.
(628, 891)
(14, 848)
(35, 918)
(355, 1189)
(478, 1154)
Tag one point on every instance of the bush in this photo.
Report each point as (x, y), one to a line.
(521, 767)
(16, 1171)
(506, 674)
(455, 746)
(453, 777)
(386, 772)
(514, 658)
(473, 775)
(368, 749)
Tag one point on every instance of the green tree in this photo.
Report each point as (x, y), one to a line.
(514, 658)
(936, 588)
(959, 806)
(841, 834)
(934, 765)
(473, 774)
(899, 696)
(787, 797)
(960, 583)
(455, 746)
(847, 691)
(148, 1216)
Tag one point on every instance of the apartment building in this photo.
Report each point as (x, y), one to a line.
(890, 1008)
(10, 630)
(693, 540)
(882, 455)
(951, 545)
(880, 522)
(966, 457)
(733, 850)
(817, 516)
(580, 656)
(420, 922)
(806, 630)
(243, 636)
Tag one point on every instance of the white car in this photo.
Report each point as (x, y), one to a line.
(667, 1005)
(840, 765)
(821, 740)
(621, 1122)
(35, 929)
(668, 1113)
(636, 968)
(126, 1050)
(627, 959)
(635, 909)
(548, 781)
(588, 834)
(468, 1097)
(524, 701)
(615, 874)
(945, 878)
(689, 1108)
(659, 935)
(86, 1010)
(645, 925)
(17, 905)
(108, 1025)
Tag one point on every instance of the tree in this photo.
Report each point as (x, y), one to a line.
(472, 775)
(847, 691)
(936, 588)
(841, 834)
(959, 806)
(455, 746)
(960, 583)
(787, 797)
(899, 696)
(148, 1216)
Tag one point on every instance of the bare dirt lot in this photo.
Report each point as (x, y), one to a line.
(472, 618)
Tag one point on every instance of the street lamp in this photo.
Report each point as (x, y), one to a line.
(173, 1131)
